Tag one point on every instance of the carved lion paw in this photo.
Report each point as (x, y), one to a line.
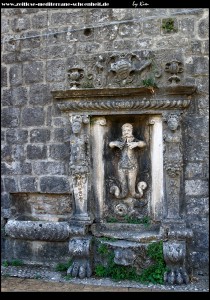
(177, 276)
(80, 269)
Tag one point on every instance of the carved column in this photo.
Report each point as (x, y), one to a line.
(173, 165)
(176, 233)
(156, 166)
(98, 130)
(80, 165)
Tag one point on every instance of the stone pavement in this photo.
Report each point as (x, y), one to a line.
(32, 279)
(13, 284)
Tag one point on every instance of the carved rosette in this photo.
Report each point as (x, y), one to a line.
(174, 67)
(174, 256)
(81, 252)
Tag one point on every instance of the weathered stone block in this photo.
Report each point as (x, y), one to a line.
(200, 262)
(18, 152)
(58, 51)
(195, 47)
(60, 151)
(16, 168)
(49, 168)
(203, 85)
(123, 44)
(197, 209)
(6, 153)
(143, 43)
(88, 47)
(3, 135)
(39, 135)
(171, 42)
(41, 251)
(33, 116)
(187, 26)
(98, 16)
(200, 238)
(39, 94)
(13, 44)
(186, 11)
(30, 10)
(56, 70)
(121, 14)
(25, 168)
(53, 184)
(152, 27)
(33, 72)
(206, 47)
(86, 35)
(36, 151)
(5, 25)
(199, 66)
(6, 213)
(3, 76)
(58, 18)
(196, 187)
(41, 207)
(28, 184)
(51, 37)
(10, 117)
(203, 28)
(49, 116)
(10, 58)
(11, 184)
(194, 170)
(16, 136)
(15, 75)
(29, 55)
(11, 11)
(30, 39)
(20, 23)
(62, 134)
(61, 122)
(106, 33)
(5, 200)
(39, 21)
(195, 133)
(16, 96)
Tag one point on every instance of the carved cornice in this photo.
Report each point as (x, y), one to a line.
(123, 99)
(122, 92)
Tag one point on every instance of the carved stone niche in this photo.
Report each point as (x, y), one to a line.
(126, 166)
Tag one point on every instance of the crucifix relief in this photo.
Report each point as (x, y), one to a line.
(128, 165)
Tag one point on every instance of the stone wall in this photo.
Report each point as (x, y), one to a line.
(39, 44)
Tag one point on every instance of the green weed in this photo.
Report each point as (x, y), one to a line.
(63, 266)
